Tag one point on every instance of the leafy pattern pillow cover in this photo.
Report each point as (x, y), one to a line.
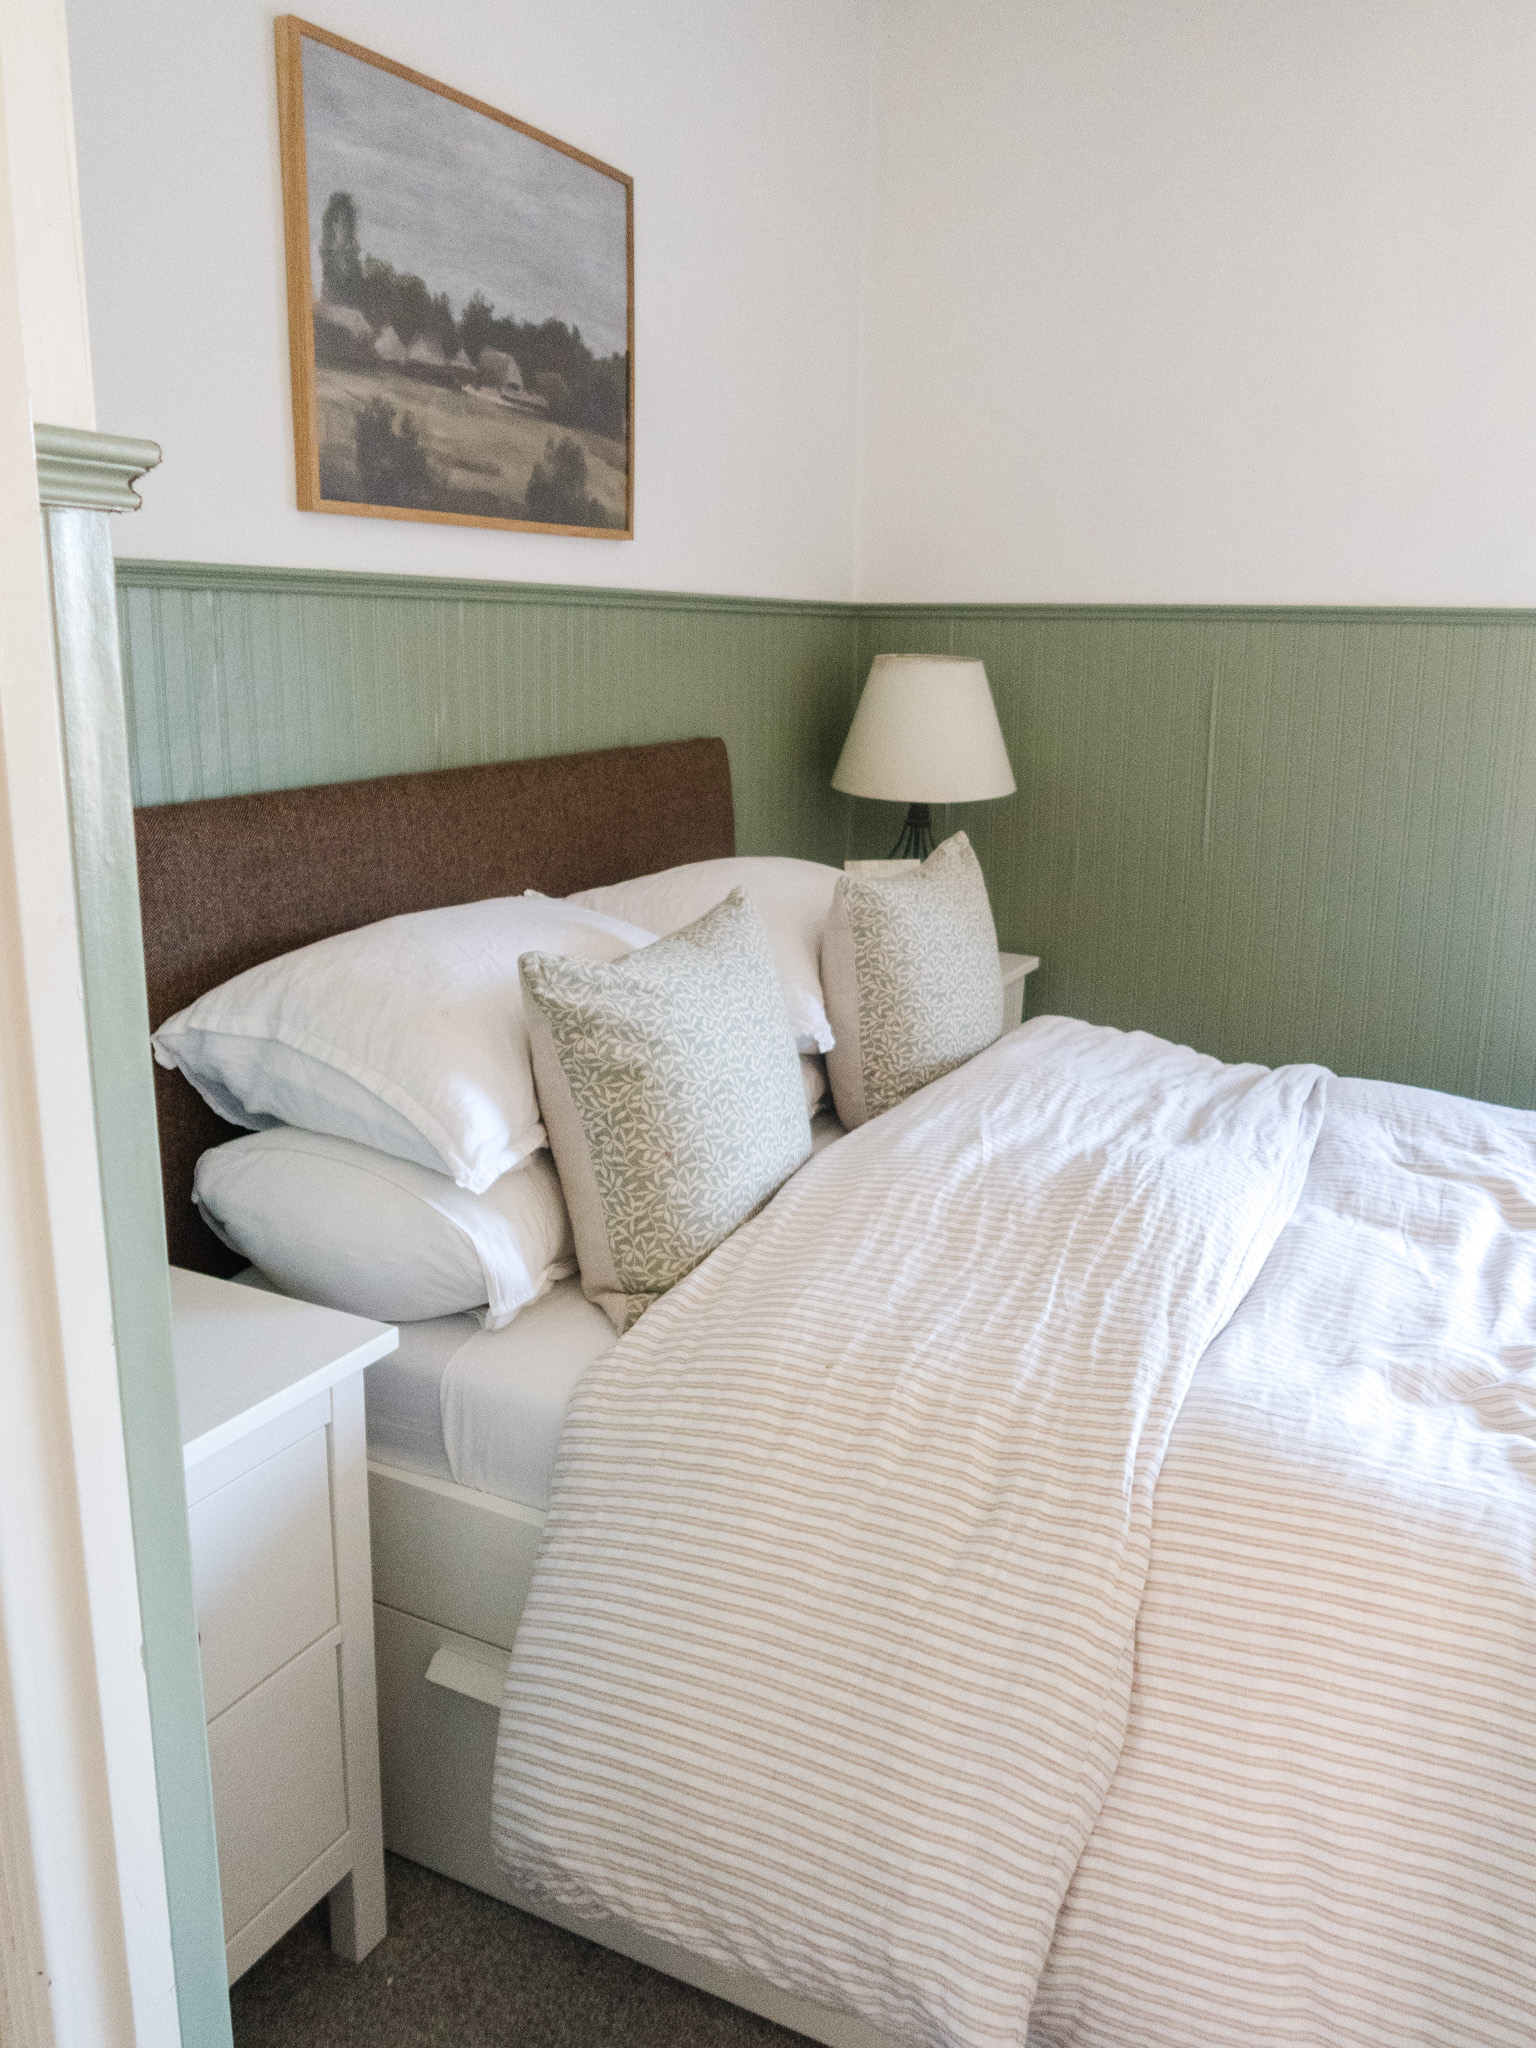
(671, 1090)
(911, 977)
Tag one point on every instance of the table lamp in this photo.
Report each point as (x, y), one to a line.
(925, 732)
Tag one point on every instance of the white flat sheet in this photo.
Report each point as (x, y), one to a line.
(485, 1407)
(401, 1393)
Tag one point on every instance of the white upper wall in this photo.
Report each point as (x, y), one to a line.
(1206, 300)
(1098, 300)
(50, 261)
(744, 130)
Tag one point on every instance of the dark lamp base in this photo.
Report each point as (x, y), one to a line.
(916, 841)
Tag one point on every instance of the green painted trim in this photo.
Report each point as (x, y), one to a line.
(117, 1021)
(1262, 614)
(89, 471)
(140, 573)
(137, 574)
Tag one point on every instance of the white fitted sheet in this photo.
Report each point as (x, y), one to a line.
(405, 1417)
(485, 1407)
(505, 1392)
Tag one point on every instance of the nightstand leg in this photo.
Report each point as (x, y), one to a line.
(358, 1922)
(357, 1903)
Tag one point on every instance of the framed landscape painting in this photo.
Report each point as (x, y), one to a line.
(460, 303)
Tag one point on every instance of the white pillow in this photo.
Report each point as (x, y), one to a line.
(406, 1036)
(352, 1228)
(792, 897)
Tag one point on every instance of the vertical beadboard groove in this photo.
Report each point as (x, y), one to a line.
(1272, 834)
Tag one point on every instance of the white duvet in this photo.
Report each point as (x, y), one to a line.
(859, 1655)
(827, 1659)
(1322, 1829)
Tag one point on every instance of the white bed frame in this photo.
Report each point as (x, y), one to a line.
(451, 1569)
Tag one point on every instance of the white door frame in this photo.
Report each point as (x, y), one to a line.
(85, 1955)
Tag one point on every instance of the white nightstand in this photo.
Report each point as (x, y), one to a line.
(1017, 968)
(271, 1397)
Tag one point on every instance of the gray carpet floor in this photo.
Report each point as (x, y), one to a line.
(459, 1970)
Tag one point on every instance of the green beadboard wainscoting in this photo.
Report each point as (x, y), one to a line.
(245, 679)
(1275, 834)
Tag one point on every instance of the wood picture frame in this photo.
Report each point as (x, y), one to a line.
(494, 243)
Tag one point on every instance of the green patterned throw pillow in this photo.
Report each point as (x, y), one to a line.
(910, 973)
(670, 1087)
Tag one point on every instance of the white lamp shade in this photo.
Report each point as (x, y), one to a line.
(925, 732)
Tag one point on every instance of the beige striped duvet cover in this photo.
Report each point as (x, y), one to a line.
(1322, 1828)
(826, 1667)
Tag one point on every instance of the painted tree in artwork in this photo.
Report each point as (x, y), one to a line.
(341, 257)
(557, 487)
(392, 465)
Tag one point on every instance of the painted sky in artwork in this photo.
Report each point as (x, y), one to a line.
(463, 202)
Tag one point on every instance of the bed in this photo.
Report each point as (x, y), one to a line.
(1295, 1802)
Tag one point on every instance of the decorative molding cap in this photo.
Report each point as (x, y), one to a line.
(139, 574)
(88, 471)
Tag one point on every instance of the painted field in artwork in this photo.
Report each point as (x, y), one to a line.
(479, 454)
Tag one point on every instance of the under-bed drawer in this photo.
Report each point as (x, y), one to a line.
(459, 1559)
(437, 1749)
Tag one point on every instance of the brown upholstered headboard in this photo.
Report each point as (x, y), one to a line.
(236, 880)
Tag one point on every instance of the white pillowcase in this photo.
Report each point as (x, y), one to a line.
(406, 1036)
(356, 1229)
(792, 897)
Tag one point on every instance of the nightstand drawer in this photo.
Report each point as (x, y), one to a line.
(278, 1785)
(263, 1570)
